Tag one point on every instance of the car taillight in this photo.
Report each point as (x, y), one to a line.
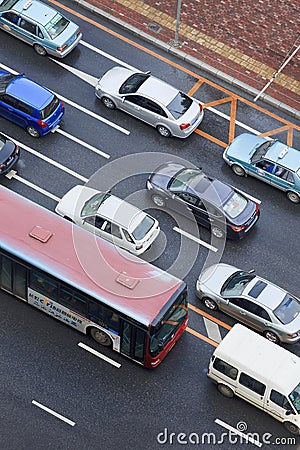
(60, 49)
(42, 124)
(237, 229)
(256, 207)
(16, 151)
(2, 166)
(78, 32)
(62, 105)
(200, 107)
(139, 247)
(184, 126)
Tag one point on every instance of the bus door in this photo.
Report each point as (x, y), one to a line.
(13, 277)
(133, 341)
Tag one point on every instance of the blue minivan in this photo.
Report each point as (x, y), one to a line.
(41, 26)
(29, 104)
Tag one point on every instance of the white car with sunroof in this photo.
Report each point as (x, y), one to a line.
(109, 217)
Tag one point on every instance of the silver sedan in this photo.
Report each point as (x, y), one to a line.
(251, 300)
(151, 100)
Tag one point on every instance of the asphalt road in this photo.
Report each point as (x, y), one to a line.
(130, 407)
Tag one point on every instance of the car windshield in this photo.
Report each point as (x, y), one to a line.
(143, 228)
(236, 283)
(133, 83)
(235, 205)
(261, 151)
(5, 79)
(91, 206)
(298, 172)
(182, 179)
(56, 25)
(295, 398)
(5, 5)
(179, 105)
(288, 309)
(167, 327)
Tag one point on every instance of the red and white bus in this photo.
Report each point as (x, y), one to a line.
(88, 283)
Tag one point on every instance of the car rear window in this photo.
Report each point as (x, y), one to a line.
(143, 228)
(56, 25)
(46, 112)
(179, 105)
(288, 309)
(235, 205)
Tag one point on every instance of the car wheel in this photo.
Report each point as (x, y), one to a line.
(33, 132)
(108, 103)
(40, 50)
(292, 428)
(210, 304)
(293, 197)
(101, 337)
(225, 390)
(158, 200)
(163, 131)
(217, 232)
(238, 170)
(271, 336)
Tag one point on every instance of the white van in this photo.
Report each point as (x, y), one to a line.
(264, 374)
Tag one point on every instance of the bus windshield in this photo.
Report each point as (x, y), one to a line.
(168, 326)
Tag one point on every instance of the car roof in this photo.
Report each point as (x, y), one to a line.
(210, 189)
(119, 211)
(164, 93)
(36, 10)
(271, 296)
(282, 154)
(29, 92)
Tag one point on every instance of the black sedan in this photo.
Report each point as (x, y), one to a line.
(9, 154)
(213, 203)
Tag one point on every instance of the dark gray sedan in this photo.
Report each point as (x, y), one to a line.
(215, 205)
(9, 154)
(251, 300)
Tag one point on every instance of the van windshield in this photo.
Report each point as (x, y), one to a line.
(295, 398)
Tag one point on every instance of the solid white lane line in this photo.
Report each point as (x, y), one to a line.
(193, 238)
(48, 160)
(50, 411)
(235, 431)
(213, 330)
(84, 144)
(33, 186)
(99, 355)
(107, 55)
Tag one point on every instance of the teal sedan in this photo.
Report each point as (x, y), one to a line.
(270, 161)
(39, 25)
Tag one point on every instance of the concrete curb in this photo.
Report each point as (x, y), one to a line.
(190, 59)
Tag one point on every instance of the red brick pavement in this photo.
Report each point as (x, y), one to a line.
(265, 30)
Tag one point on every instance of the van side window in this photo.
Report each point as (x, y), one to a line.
(279, 399)
(225, 368)
(252, 384)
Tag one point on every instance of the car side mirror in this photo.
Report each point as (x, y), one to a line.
(123, 99)
(289, 412)
(251, 271)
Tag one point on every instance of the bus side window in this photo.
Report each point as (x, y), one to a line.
(100, 313)
(73, 301)
(43, 284)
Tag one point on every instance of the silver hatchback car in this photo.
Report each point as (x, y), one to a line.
(151, 100)
(251, 300)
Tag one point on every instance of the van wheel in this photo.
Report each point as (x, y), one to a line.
(271, 336)
(210, 304)
(225, 390)
(33, 132)
(292, 428)
(101, 337)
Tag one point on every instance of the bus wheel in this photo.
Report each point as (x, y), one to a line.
(292, 428)
(101, 337)
(225, 390)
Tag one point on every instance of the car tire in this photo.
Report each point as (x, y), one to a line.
(163, 131)
(210, 304)
(101, 337)
(158, 200)
(40, 50)
(271, 336)
(293, 197)
(225, 390)
(217, 232)
(108, 103)
(292, 428)
(238, 170)
(33, 132)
